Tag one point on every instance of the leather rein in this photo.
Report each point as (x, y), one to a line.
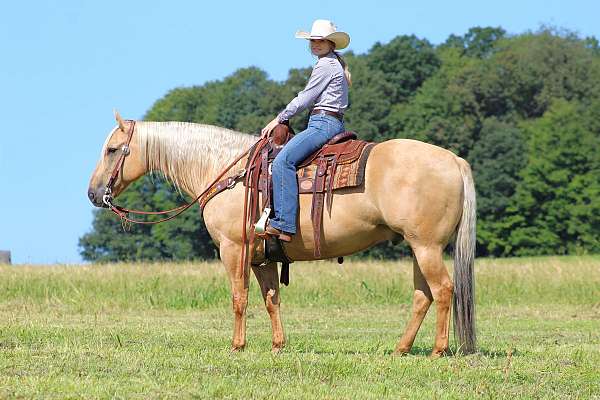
(123, 212)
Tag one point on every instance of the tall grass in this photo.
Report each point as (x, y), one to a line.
(202, 285)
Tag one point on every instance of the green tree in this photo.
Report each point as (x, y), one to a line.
(477, 42)
(406, 62)
(530, 71)
(555, 209)
(498, 157)
(370, 98)
(443, 111)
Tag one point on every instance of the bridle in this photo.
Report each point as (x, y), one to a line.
(125, 150)
(123, 212)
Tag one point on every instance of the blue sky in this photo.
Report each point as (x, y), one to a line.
(66, 64)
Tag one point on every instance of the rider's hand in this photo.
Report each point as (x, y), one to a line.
(266, 131)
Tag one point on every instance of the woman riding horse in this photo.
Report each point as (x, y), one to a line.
(412, 191)
(327, 88)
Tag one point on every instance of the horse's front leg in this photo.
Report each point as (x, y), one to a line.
(230, 255)
(268, 279)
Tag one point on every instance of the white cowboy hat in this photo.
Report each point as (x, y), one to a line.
(325, 29)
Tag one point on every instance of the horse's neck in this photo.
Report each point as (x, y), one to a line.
(191, 156)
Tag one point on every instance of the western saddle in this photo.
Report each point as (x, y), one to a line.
(339, 163)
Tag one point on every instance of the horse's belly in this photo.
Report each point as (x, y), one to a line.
(352, 226)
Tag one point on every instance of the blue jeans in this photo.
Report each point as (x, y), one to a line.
(320, 129)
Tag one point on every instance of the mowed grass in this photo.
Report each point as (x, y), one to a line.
(164, 331)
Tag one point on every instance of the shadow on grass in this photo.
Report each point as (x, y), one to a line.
(416, 351)
(500, 353)
(423, 351)
(453, 352)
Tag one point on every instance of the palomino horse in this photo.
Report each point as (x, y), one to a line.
(411, 190)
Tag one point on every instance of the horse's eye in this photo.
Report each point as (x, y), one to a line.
(111, 150)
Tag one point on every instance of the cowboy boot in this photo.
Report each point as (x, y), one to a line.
(274, 232)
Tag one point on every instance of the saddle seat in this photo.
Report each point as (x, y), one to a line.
(342, 137)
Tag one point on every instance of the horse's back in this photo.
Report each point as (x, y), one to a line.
(414, 162)
(415, 152)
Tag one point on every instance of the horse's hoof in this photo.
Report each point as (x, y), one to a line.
(401, 351)
(439, 353)
(236, 349)
(277, 347)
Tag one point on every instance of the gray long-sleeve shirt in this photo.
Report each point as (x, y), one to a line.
(327, 88)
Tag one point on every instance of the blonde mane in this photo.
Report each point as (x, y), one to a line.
(190, 155)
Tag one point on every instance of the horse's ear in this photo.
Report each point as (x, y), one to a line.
(119, 120)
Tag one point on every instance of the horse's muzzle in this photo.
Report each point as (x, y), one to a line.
(96, 198)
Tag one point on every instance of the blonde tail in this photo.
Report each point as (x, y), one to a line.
(464, 260)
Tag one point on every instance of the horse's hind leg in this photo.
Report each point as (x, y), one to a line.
(268, 280)
(429, 259)
(422, 299)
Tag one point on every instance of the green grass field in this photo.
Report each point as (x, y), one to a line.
(164, 331)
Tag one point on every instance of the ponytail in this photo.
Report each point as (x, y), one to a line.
(345, 67)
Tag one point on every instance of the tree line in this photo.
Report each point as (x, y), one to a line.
(524, 110)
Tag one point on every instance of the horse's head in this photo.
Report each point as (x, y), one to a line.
(119, 165)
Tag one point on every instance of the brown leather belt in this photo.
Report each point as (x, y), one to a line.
(333, 114)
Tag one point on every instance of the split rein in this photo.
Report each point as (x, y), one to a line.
(123, 212)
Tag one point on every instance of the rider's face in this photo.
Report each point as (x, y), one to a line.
(320, 47)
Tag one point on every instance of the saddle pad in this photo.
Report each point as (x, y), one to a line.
(350, 174)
